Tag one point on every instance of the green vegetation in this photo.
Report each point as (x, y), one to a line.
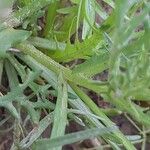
(40, 45)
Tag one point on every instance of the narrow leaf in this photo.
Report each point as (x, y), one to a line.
(60, 112)
(71, 138)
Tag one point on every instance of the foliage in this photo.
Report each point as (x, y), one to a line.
(35, 45)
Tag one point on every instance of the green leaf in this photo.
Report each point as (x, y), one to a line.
(18, 91)
(78, 103)
(55, 94)
(57, 68)
(101, 12)
(50, 18)
(13, 82)
(33, 7)
(1, 69)
(75, 1)
(30, 109)
(118, 137)
(66, 10)
(80, 50)
(96, 64)
(47, 44)
(71, 138)
(89, 19)
(36, 132)
(132, 25)
(65, 26)
(60, 112)
(12, 75)
(134, 137)
(110, 2)
(12, 37)
(114, 145)
(10, 107)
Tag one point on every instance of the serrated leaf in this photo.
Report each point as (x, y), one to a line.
(80, 50)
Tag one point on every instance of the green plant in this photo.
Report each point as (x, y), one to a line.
(33, 57)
